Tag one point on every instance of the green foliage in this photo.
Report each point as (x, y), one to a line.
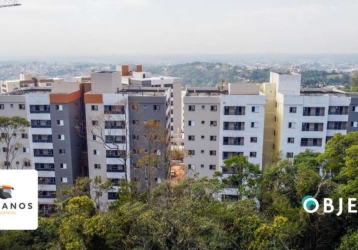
(354, 82)
(211, 74)
(188, 215)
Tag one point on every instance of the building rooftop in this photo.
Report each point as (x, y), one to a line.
(282, 71)
(144, 91)
(326, 92)
(29, 91)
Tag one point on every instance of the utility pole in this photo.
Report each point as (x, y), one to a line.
(9, 3)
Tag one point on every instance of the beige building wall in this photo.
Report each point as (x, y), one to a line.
(199, 163)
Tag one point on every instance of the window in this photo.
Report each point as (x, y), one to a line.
(25, 150)
(212, 152)
(97, 166)
(191, 166)
(276, 119)
(214, 108)
(96, 152)
(202, 107)
(213, 123)
(2, 106)
(203, 137)
(354, 124)
(202, 165)
(156, 107)
(202, 151)
(24, 136)
(27, 163)
(134, 106)
(135, 137)
(21, 106)
(255, 109)
(191, 137)
(63, 165)
(135, 122)
(191, 152)
(274, 132)
(11, 105)
(94, 137)
(61, 137)
(254, 124)
(212, 167)
(293, 109)
(94, 107)
(191, 107)
(62, 151)
(145, 106)
(60, 107)
(253, 154)
(354, 108)
(213, 138)
(290, 140)
(64, 179)
(60, 122)
(289, 155)
(253, 139)
(95, 123)
(291, 125)
(191, 123)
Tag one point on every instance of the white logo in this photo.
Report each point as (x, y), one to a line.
(18, 200)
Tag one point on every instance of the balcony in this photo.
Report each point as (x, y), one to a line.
(46, 181)
(115, 139)
(234, 141)
(231, 110)
(308, 111)
(40, 123)
(234, 126)
(312, 127)
(116, 154)
(44, 166)
(38, 109)
(337, 125)
(227, 155)
(42, 138)
(115, 125)
(338, 110)
(311, 142)
(113, 109)
(115, 168)
(43, 152)
(47, 194)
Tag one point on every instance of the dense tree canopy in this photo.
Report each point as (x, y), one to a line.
(190, 216)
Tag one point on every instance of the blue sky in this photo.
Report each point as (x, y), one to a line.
(147, 27)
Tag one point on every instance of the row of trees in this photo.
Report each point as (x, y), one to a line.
(268, 215)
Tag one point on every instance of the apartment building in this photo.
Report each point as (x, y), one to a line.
(300, 119)
(115, 115)
(51, 144)
(27, 81)
(133, 75)
(147, 104)
(222, 122)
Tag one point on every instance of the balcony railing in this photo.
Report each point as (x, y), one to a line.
(312, 129)
(311, 144)
(41, 126)
(234, 128)
(42, 140)
(47, 196)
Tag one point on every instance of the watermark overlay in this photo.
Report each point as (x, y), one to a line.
(18, 200)
(311, 205)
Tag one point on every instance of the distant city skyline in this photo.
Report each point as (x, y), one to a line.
(49, 28)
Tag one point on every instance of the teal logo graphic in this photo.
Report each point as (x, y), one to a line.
(310, 204)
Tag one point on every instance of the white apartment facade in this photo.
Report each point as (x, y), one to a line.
(135, 76)
(28, 81)
(107, 132)
(302, 119)
(220, 123)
